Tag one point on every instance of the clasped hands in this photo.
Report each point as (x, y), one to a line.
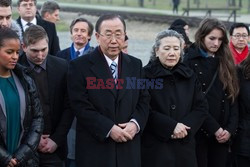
(222, 135)
(13, 162)
(123, 132)
(47, 145)
(180, 131)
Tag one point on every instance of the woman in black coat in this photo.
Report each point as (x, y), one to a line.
(178, 107)
(241, 146)
(21, 121)
(211, 60)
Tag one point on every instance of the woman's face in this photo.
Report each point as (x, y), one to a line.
(9, 54)
(169, 52)
(213, 41)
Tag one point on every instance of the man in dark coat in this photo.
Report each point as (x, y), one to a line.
(109, 120)
(49, 73)
(81, 31)
(27, 11)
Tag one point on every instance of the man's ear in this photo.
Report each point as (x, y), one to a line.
(46, 15)
(24, 47)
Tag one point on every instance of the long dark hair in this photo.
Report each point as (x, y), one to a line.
(227, 70)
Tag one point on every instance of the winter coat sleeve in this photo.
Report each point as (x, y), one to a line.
(32, 134)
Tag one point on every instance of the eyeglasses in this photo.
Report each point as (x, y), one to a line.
(117, 35)
(25, 5)
(238, 36)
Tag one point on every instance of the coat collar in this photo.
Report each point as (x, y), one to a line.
(154, 69)
(101, 69)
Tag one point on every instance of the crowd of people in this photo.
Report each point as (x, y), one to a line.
(87, 106)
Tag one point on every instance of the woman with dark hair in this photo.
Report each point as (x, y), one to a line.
(178, 107)
(211, 60)
(21, 122)
(241, 145)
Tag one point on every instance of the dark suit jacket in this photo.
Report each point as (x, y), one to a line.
(65, 54)
(50, 28)
(61, 117)
(97, 110)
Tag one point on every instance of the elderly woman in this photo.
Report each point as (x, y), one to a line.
(21, 121)
(211, 60)
(177, 109)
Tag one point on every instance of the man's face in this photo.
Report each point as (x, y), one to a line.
(53, 17)
(5, 16)
(27, 10)
(239, 38)
(111, 37)
(80, 34)
(37, 52)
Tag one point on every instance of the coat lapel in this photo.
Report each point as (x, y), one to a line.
(51, 74)
(20, 24)
(100, 68)
(126, 70)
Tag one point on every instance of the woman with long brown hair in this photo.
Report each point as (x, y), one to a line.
(211, 60)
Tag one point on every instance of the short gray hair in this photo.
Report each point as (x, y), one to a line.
(160, 36)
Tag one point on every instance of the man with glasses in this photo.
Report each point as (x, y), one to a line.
(239, 37)
(110, 118)
(27, 11)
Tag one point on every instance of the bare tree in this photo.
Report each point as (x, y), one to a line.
(125, 3)
(154, 2)
(240, 3)
(248, 9)
(141, 3)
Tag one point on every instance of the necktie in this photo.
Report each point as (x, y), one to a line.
(113, 69)
(77, 53)
(29, 24)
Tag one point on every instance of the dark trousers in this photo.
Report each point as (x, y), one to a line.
(70, 163)
(210, 153)
(242, 161)
(50, 160)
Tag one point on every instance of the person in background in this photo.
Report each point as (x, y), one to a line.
(6, 17)
(27, 16)
(239, 37)
(211, 60)
(181, 23)
(241, 143)
(49, 73)
(50, 11)
(187, 43)
(175, 6)
(81, 31)
(125, 46)
(109, 120)
(21, 115)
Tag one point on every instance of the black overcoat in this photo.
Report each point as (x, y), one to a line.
(223, 113)
(180, 100)
(241, 144)
(97, 110)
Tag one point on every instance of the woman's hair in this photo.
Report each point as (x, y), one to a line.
(7, 33)
(160, 36)
(227, 70)
(245, 66)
